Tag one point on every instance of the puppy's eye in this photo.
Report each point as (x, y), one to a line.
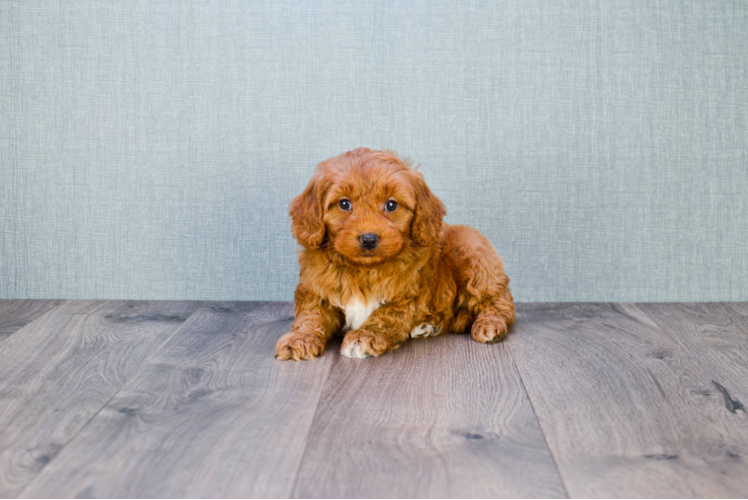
(344, 205)
(390, 206)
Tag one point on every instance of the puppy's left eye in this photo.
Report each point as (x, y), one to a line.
(390, 206)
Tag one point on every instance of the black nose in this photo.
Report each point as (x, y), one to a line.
(368, 240)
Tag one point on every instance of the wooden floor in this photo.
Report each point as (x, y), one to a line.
(185, 399)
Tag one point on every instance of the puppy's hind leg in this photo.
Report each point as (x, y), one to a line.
(493, 319)
(484, 304)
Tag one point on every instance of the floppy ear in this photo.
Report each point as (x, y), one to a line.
(306, 214)
(428, 214)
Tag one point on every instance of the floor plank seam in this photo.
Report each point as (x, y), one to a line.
(145, 362)
(540, 425)
(33, 321)
(311, 425)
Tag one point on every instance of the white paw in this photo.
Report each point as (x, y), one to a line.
(424, 331)
(355, 349)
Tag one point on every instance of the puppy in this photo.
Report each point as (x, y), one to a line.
(379, 265)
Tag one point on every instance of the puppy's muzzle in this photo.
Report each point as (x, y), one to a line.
(368, 241)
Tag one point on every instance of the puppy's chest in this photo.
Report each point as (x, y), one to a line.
(357, 311)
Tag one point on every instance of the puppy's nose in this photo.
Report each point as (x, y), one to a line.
(368, 240)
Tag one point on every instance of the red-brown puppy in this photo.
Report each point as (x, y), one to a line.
(379, 264)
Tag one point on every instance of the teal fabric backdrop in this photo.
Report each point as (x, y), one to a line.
(149, 149)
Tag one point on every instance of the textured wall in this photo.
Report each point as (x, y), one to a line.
(149, 149)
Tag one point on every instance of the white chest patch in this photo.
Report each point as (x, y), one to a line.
(357, 312)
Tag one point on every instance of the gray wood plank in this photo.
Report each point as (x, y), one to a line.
(716, 336)
(15, 314)
(213, 414)
(626, 409)
(441, 417)
(59, 370)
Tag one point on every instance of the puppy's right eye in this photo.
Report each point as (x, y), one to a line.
(344, 205)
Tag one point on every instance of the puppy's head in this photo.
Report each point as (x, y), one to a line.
(368, 206)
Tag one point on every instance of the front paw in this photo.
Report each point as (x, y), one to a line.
(489, 329)
(363, 344)
(297, 346)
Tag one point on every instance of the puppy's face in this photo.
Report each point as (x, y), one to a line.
(368, 217)
(367, 206)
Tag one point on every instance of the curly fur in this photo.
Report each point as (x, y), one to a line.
(424, 277)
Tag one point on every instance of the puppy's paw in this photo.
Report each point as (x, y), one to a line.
(297, 346)
(362, 344)
(425, 330)
(488, 329)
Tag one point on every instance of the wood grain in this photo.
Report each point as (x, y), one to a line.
(441, 417)
(213, 414)
(716, 336)
(635, 400)
(15, 314)
(58, 371)
(629, 410)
